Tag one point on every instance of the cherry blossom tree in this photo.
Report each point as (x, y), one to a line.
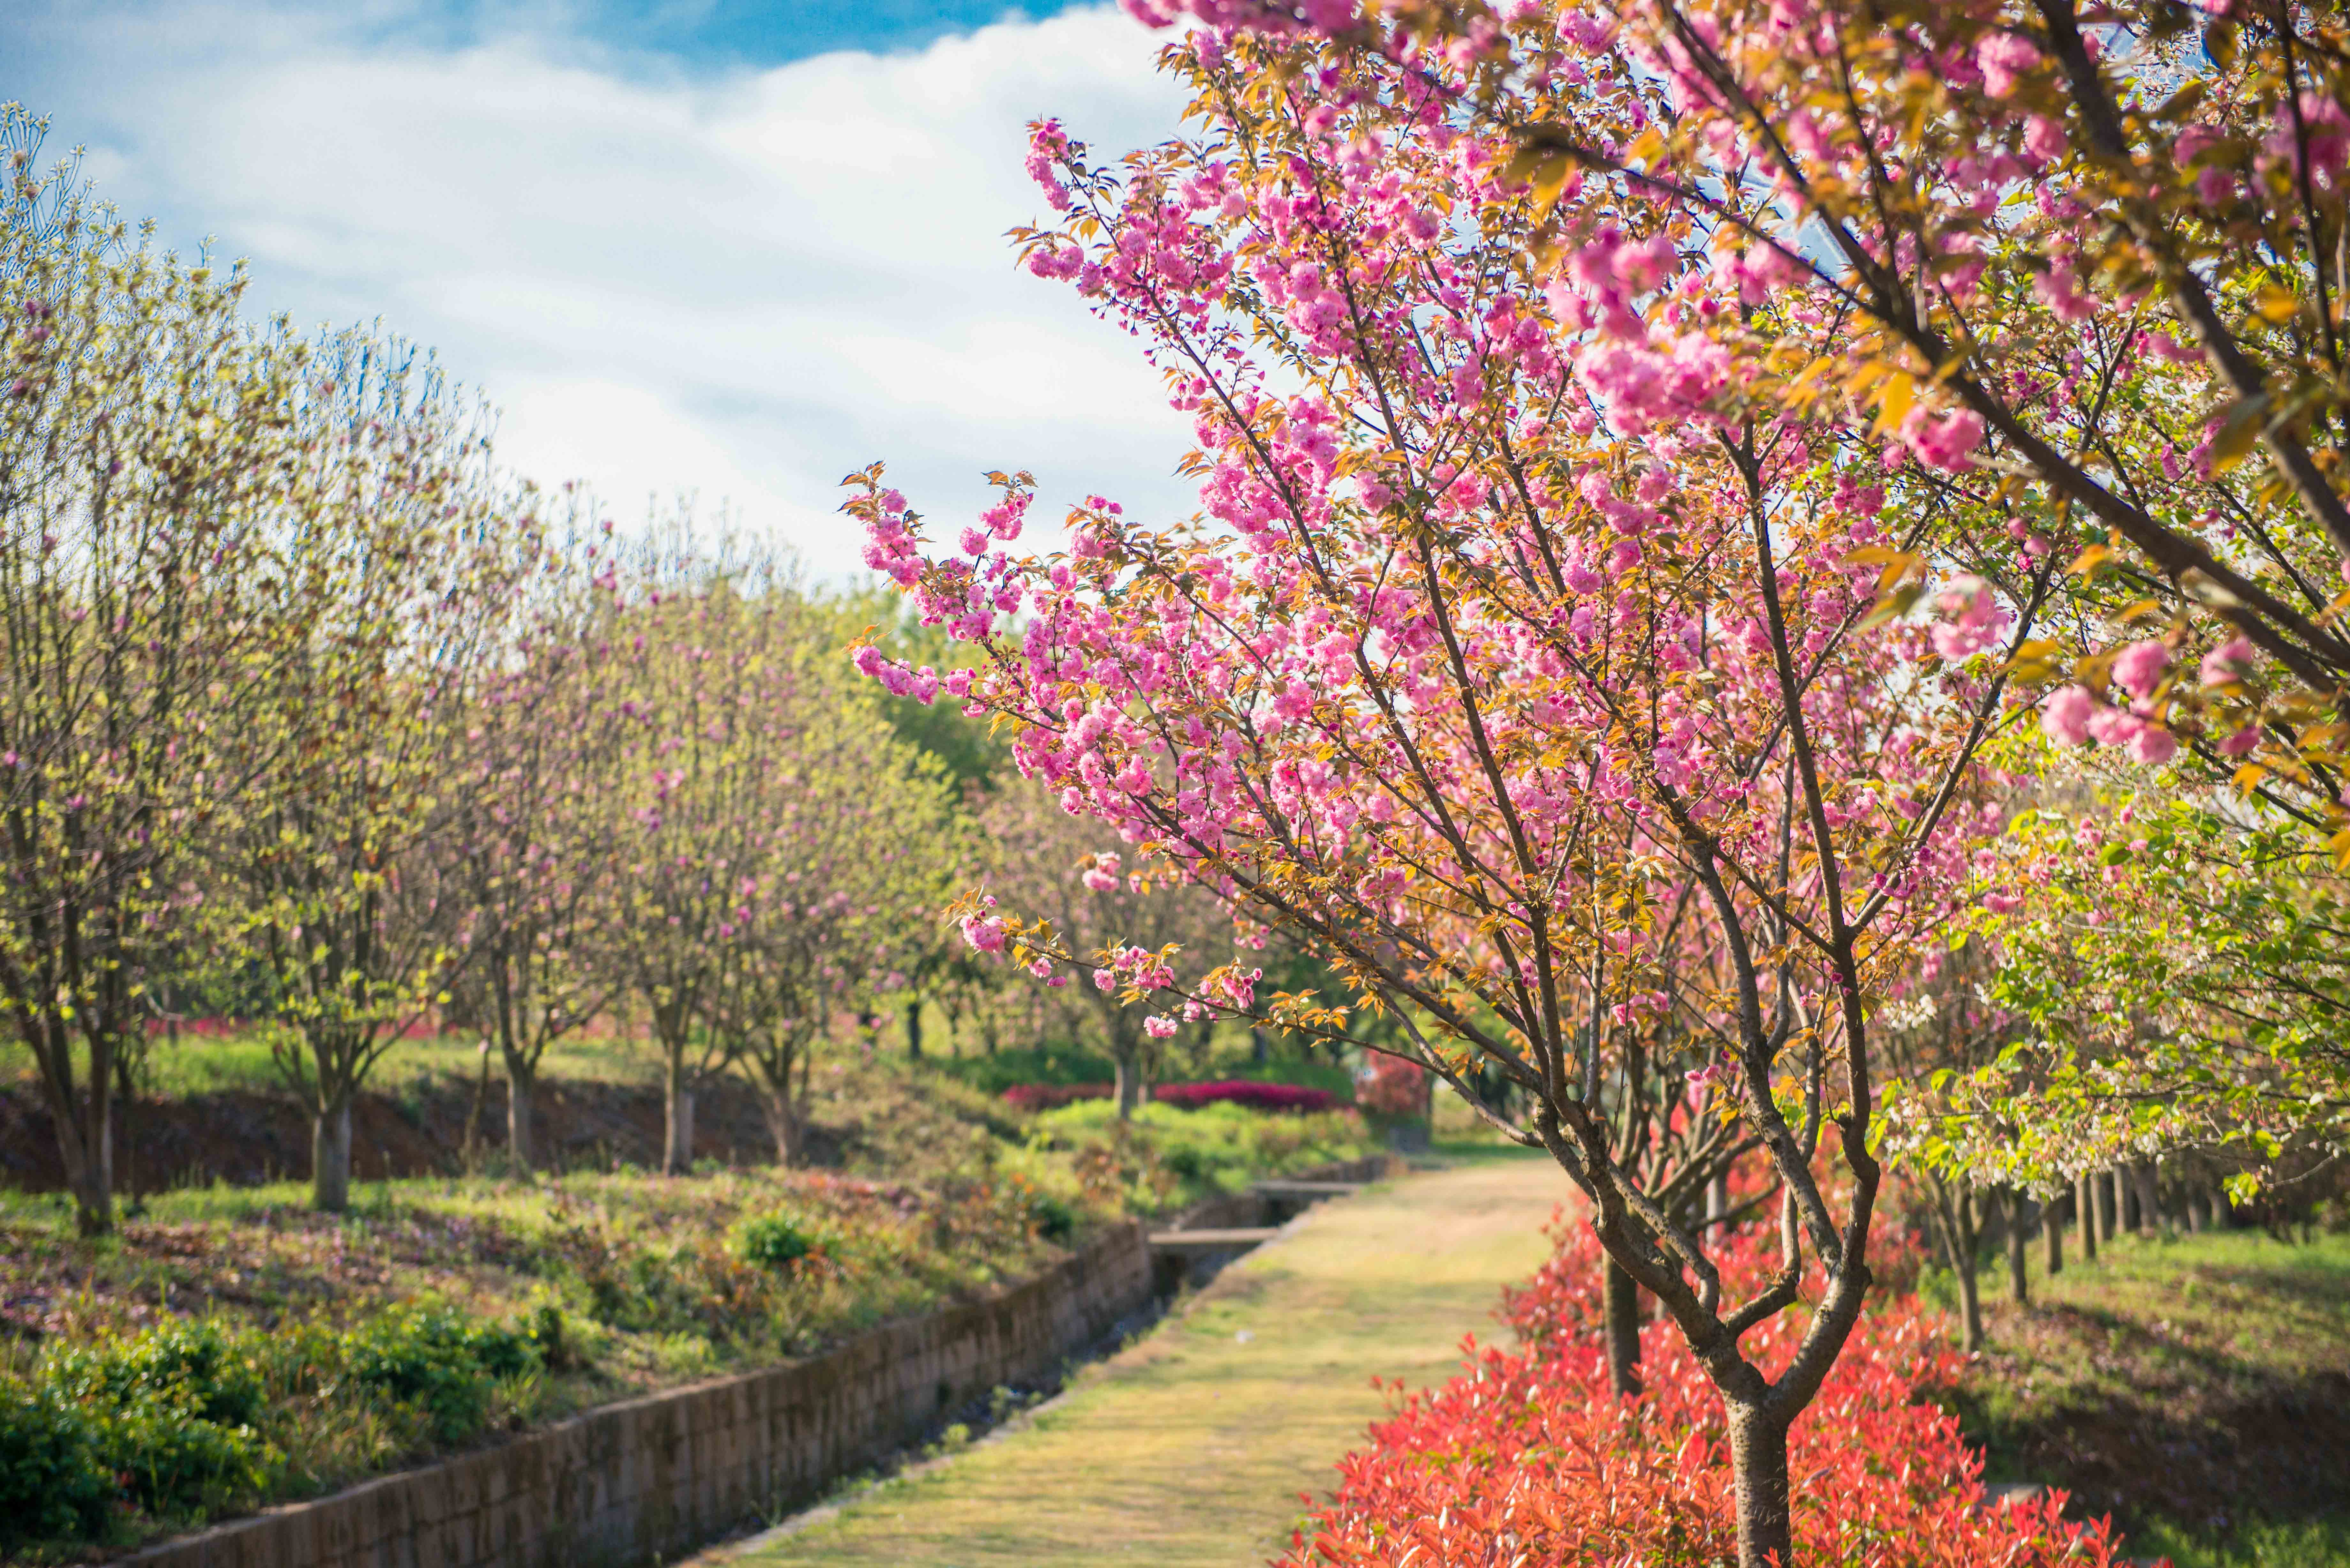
(2096, 251)
(1068, 870)
(529, 851)
(1508, 616)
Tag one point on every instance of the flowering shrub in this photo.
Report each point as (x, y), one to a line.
(1391, 1086)
(1053, 1097)
(1244, 1091)
(1184, 1096)
(1528, 1457)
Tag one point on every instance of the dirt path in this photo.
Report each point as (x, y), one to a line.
(1191, 1447)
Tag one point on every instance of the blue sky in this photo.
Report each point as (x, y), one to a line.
(710, 246)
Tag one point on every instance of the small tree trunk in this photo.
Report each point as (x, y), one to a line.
(1956, 1219)
(2125, 1214)
(677, 1119)
(1620, 1299)
(914, 1029)
(1129, 1083)
(1259, 1052)
(522, 1088)
(330, 1159)
(2150, 1199)
(2085, 1202)
(1717, 1198)
(2018, 1219)
(2051, 1225)
(783, 1125)
(1758, 1458)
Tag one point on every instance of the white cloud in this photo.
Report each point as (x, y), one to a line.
(745, 286)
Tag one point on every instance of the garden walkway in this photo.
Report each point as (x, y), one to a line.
(1190, 1446)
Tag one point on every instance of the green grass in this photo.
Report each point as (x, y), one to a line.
(1191, 1445)
(2257, 1543)
(242, 1062)
(2193, 1386)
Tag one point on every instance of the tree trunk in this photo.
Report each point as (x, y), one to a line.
(677, 1120)
(522, 1088)
(1129, 1083)
(2125, 1214)
(2051, 1224)
(330, 1160)
(1758, 1458)
(1620, 1298)
(2085, 1203)
(1957, 1225)
(914, 1029)
(2018, 1220)
(1717, 1198)
(1259, 1052)
(783, 1123)
(2150, 1199)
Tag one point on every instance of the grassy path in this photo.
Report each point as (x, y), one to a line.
(1190, 1446)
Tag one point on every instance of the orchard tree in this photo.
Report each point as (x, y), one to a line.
(1067, 868)
(2180, 980)
(1509, 614)
(844, 883)
(706, 656)
(144, 441)
(321, 880)
(528, 853)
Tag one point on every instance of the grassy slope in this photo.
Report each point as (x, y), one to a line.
(2197, 1387)
(1192, 1445)
(647, 1271)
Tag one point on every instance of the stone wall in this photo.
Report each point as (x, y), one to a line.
(656, 1477)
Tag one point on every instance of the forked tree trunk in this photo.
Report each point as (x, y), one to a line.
(1758, 1460)
(1620, 1309)
(783, 1125)
(2085, 1202)
(330, 1159)
(1958, 1229)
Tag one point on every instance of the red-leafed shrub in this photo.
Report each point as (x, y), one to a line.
(1391, 1086)
(1244, 1091)
(1527, 1457)
(1182, 1096)
(1052, 1096)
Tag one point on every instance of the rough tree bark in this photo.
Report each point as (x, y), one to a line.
(1757, 1449)
(1620, 1304)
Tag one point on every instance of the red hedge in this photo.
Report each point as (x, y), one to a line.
(1183, 1096)
(1528, 1458)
